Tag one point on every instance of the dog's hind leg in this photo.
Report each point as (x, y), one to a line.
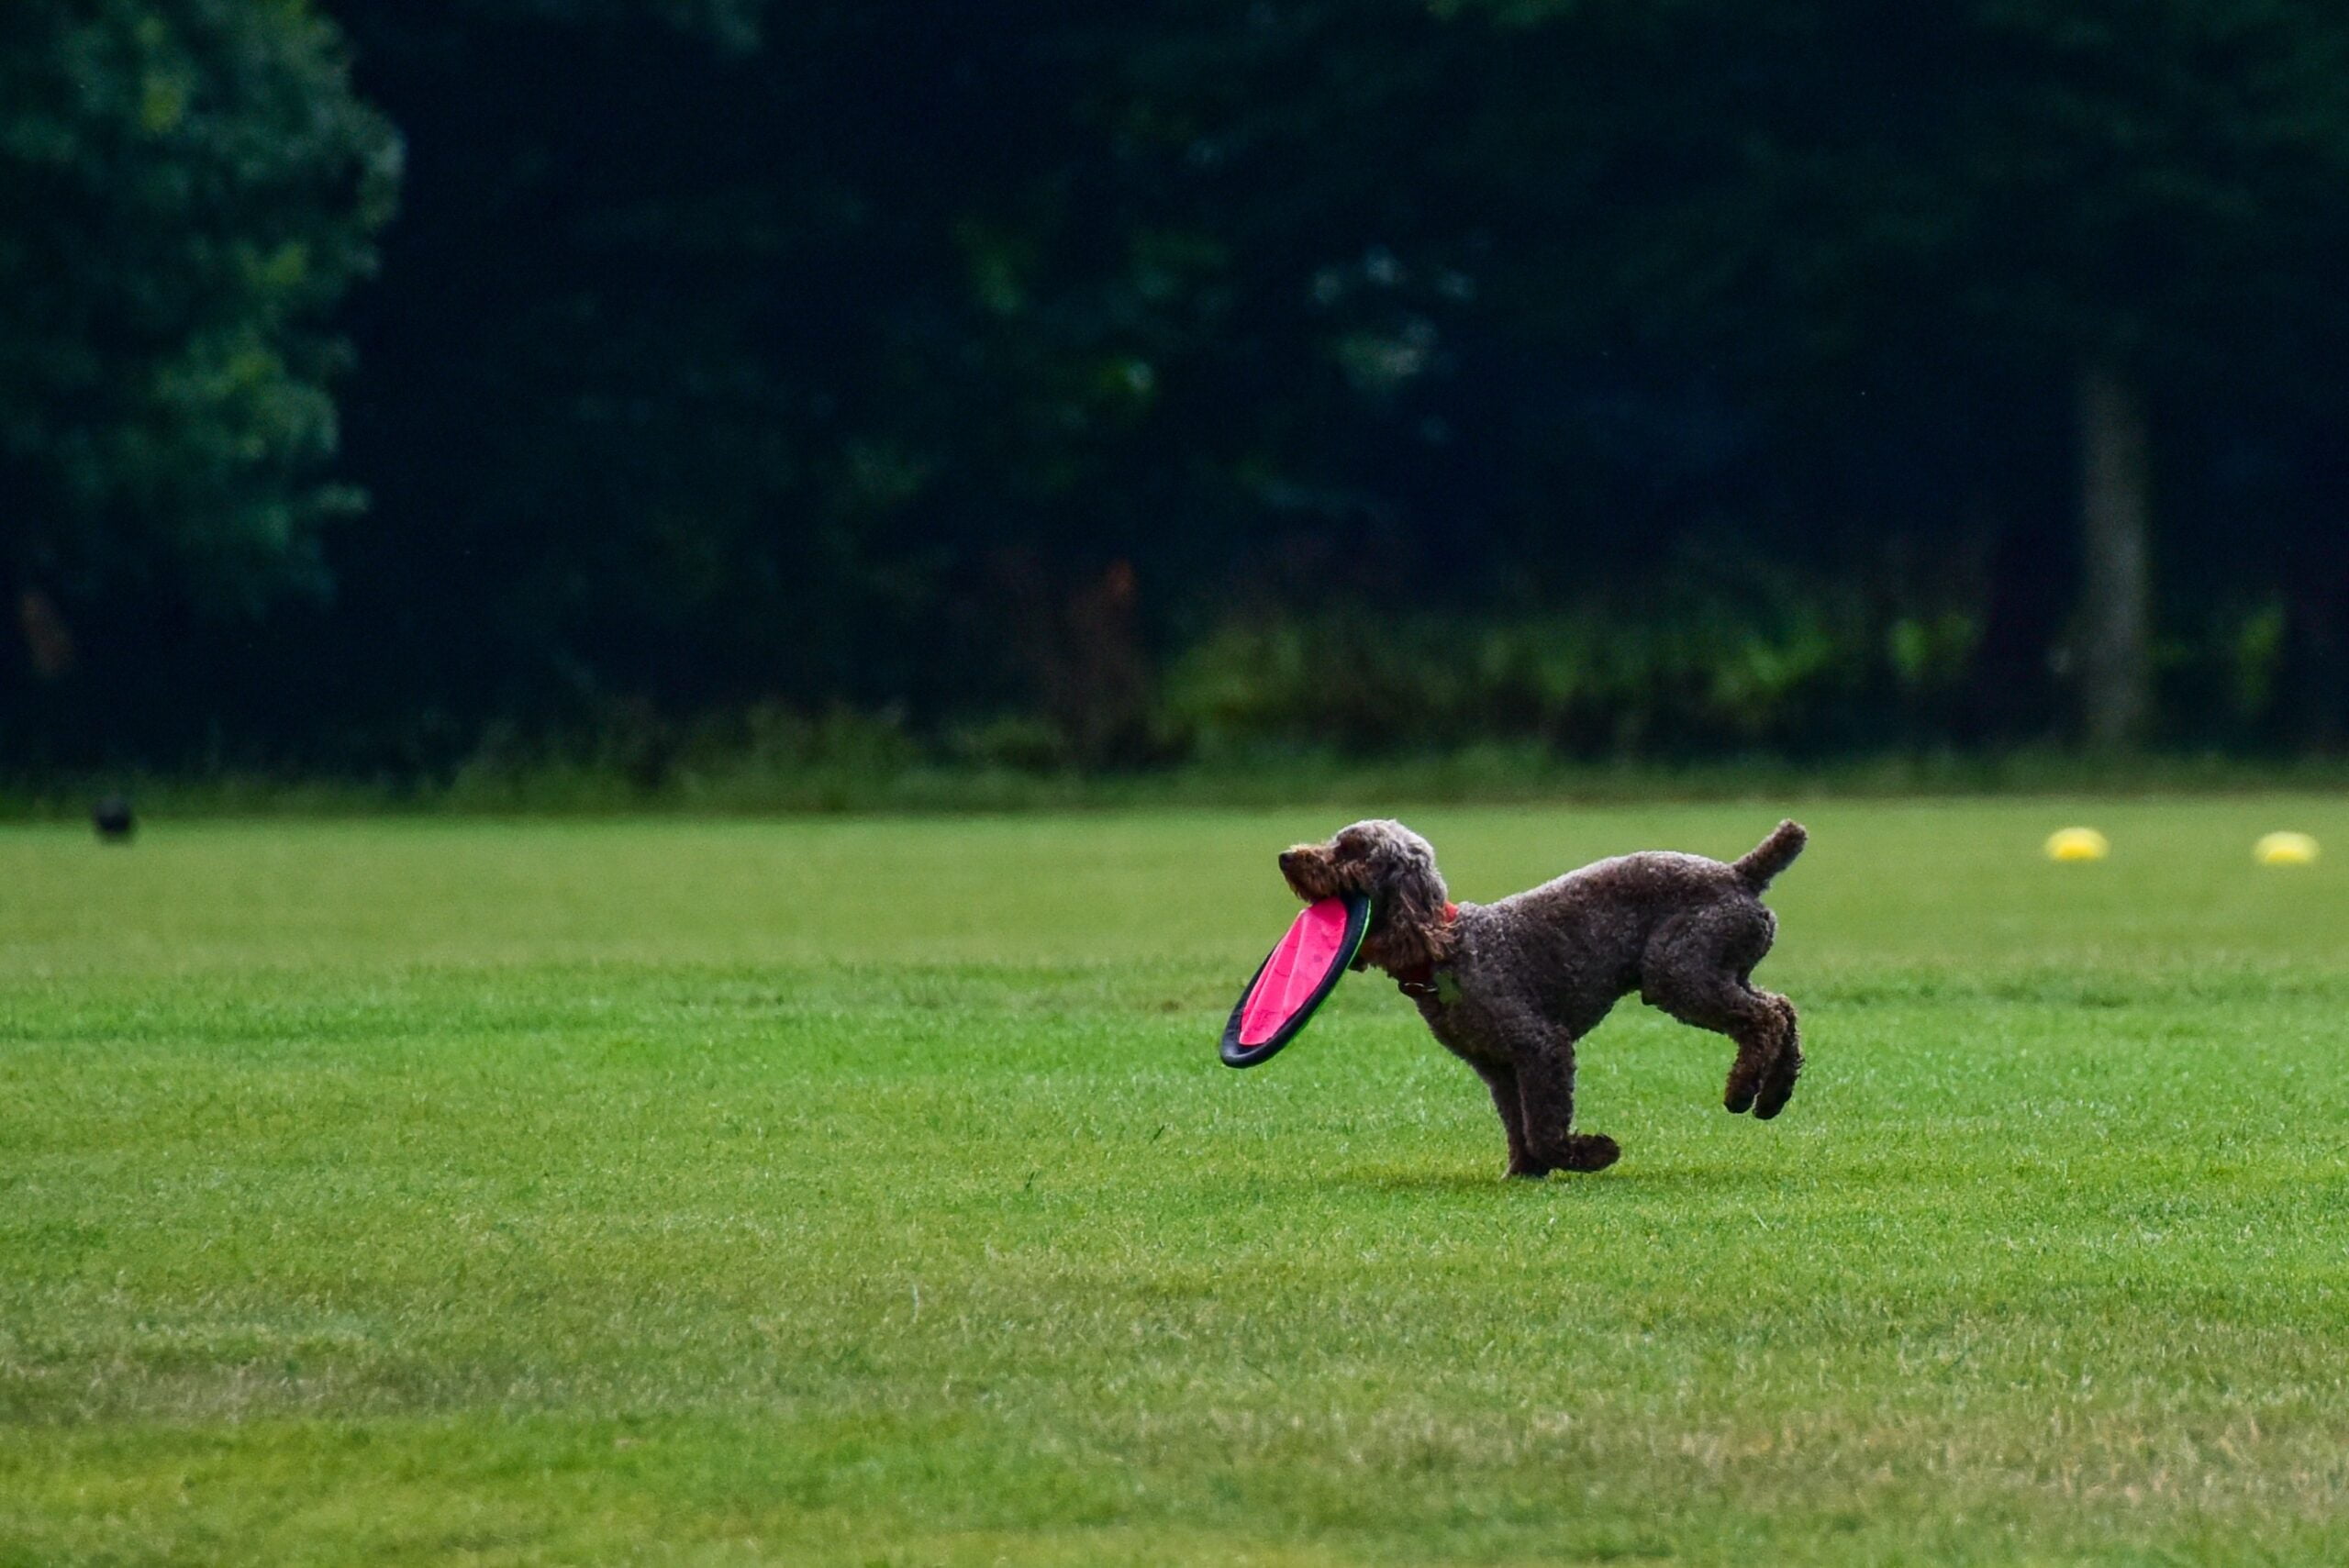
(1778, 1076)
(1698, 971)
(1760, 1023)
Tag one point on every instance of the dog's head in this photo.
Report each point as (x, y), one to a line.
(1395, 869)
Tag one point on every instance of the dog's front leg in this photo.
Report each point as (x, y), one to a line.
(1510, 1101)
(1545, 1081)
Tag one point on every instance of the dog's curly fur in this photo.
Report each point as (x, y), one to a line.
(1530, 975)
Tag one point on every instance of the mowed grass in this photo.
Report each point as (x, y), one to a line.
(869, 1192)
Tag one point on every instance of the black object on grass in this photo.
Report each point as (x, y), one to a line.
(114, 819)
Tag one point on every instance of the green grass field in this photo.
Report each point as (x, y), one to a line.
(868, 1192)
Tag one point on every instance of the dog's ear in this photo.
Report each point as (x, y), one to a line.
(1410, 932)
(1408, 927)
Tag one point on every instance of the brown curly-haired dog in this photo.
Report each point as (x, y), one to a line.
(1512, 987)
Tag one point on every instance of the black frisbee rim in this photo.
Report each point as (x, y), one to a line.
(1237, 1055)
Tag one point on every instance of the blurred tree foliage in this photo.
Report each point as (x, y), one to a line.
(189, 189)
(1667, 375)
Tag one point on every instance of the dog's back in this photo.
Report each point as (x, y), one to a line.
(1586, 935)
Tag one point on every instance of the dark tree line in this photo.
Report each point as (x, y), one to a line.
(1107, 384)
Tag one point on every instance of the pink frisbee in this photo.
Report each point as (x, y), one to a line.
(1294, 978)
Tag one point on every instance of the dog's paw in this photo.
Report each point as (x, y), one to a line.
(1738, 1098)
(1774, 1098)
(1590, 1152)
(1527, 1169)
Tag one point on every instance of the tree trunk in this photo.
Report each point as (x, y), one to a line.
(2115, 591)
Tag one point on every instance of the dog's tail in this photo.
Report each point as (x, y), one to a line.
(1772, 855)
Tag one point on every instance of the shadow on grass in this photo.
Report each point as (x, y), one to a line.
(1625, 1180)
(1424, 1180)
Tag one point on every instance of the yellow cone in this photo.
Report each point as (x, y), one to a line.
(2077, 844)
(2285, 850)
